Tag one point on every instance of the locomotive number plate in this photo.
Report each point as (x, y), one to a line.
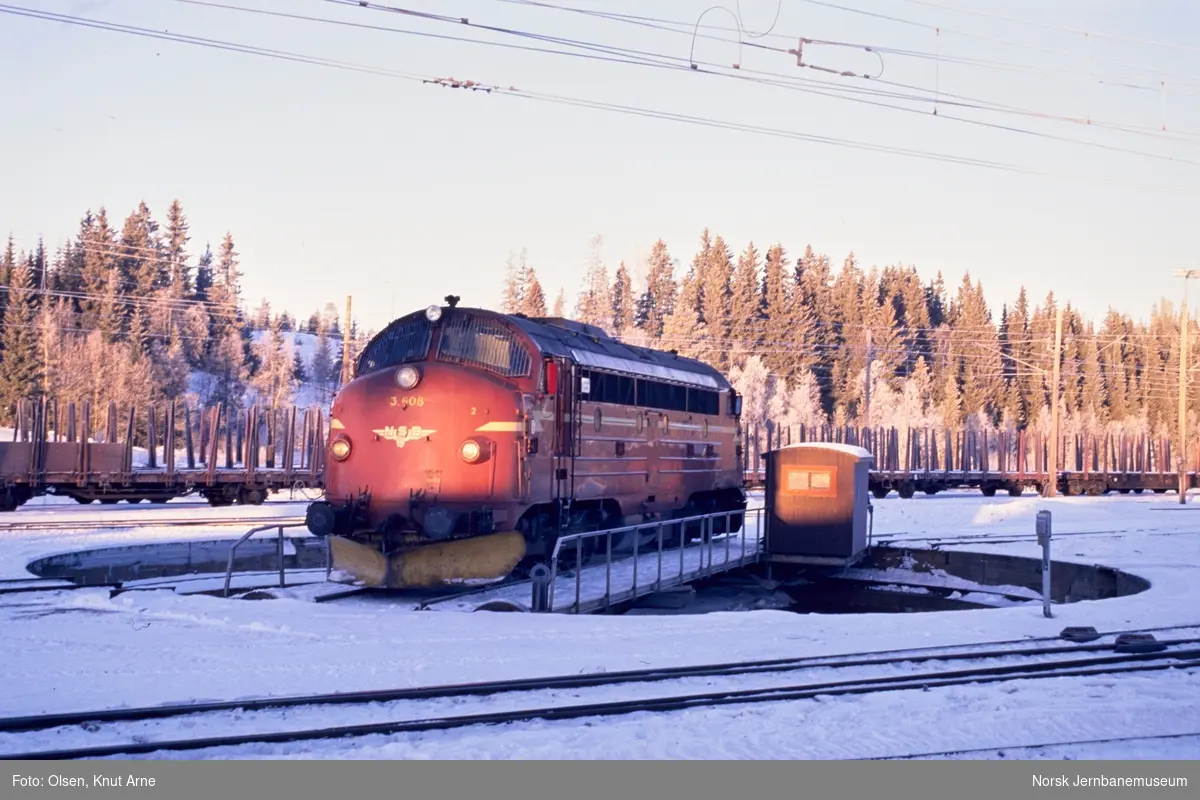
(405, 402)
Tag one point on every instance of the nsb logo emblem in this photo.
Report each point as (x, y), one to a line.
(402, 434)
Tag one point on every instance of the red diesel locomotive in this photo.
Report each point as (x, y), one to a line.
(469, 441)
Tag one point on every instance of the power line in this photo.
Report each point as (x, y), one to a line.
(793, 83)
(985, 38)
(1052, 26)
(514, 92)
(577, 102)
(690, 28)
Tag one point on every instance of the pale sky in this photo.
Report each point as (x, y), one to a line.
(398, 193)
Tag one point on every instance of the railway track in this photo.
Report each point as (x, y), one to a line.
(1063, 660)
(145, 521)
(933, 540)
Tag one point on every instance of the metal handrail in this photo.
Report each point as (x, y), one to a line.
(706, 544)
(247, 535)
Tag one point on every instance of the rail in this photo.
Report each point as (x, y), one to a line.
(544, 599)
(246, 536)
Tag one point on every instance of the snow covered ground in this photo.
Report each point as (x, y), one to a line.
(80, 649)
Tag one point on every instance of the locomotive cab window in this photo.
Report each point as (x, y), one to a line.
(484, 344)
(402, 342)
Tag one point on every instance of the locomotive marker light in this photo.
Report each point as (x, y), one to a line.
(407, 377)
(1043, 537)
(433, 313)
(340, 448)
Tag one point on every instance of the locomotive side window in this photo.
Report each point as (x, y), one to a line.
(606, 387)
(402, 342)
(700, 401)
(484, 344)
(609, 388)
(666, 396)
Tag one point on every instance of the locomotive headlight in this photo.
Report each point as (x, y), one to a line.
(470, 451)
(340, 448)
(433, 313)
(407, 377)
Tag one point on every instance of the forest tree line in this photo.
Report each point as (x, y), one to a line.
(795, 334)
(131, 315)
(140, 314)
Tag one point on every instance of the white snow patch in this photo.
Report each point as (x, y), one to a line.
(82, 649)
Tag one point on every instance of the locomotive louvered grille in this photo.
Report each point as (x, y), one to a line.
(400, 343)
(485, 344)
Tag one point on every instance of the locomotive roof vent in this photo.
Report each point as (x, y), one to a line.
(575, 326)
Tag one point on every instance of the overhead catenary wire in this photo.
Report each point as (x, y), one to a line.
(584, 103)
(986, 37)
(793, 83)
(684, 27)
(1053, 26)
(514, 92)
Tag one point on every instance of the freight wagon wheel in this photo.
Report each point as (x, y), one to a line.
(250, 497)
(109, 501)
(82, 500)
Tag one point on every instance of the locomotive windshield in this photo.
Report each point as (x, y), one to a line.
(483, 343)
(402, 342)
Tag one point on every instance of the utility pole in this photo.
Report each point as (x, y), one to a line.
(1055, 440)
(1184, 360)
(46, 332)
(867, 386)
(346, 345)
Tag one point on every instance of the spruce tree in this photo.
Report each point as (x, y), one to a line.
(659, 298)
(715, 301)
(595, 299)
(175, 240)
(7, 262)
(784, 355)
(681, 327)
(533, 298)
(622, 301)
(20, 366)
(204, 274)
(514, 269)
(744, 311)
